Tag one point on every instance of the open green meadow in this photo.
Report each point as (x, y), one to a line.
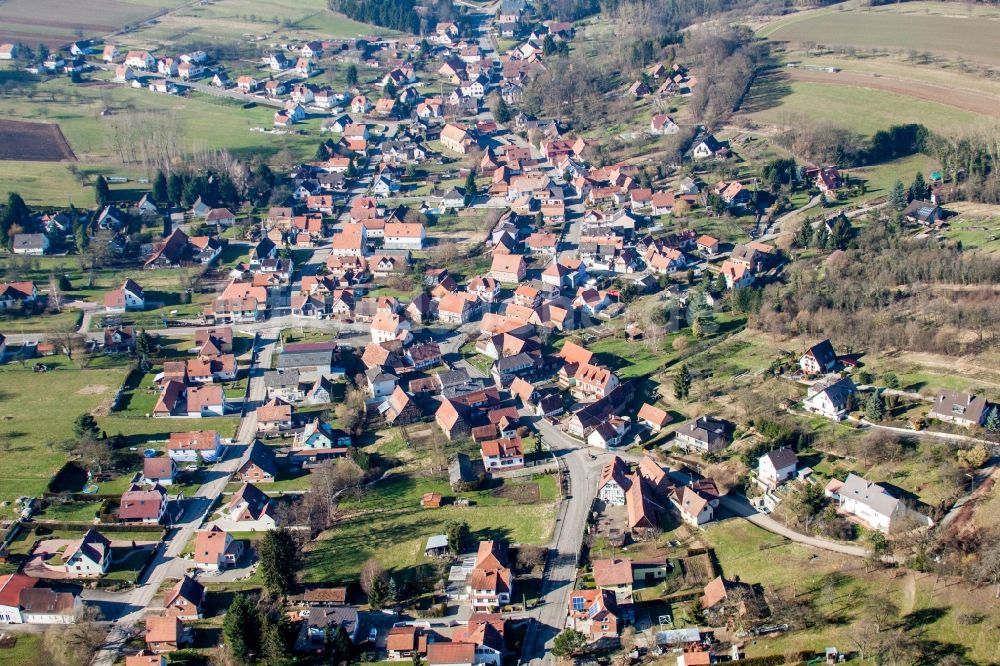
(161, 286)
(231, 20)
(833, 589)
(37, 411)
(204, 123)
(44, 184)
(949, 28)
(21, 20)
(862, 110)
(388, 524)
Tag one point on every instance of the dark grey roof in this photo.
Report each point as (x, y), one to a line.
(321, 358)
(460, 469)
(966, 406)
(706, 429)
(375, 375)
(333, 617)
(450, 378)
(515, 362)
(281, 378)
(29, 241)
(823, 353)
(839, 390)
(783, 457)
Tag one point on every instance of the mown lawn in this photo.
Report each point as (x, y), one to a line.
(395, 531)
(37, 411)
(72, 511)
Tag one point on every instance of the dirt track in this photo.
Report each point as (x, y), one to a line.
(968, 100)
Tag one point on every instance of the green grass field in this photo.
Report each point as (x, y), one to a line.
(20, 20)
(396, 530)
(44, 184)
(161, 286)
(25, 651)
(205, 123)
(936, 27)
(836, 586)
(37, 411)
(859, 109)
(235, 19)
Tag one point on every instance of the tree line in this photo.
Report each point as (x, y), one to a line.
(394, 14)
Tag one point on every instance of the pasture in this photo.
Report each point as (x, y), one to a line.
(235, 20)
(44, 184)
(37, 411)
(944, 28)
(860, 109)
(65, 20)
(389, 525)
(205, 123)
(40, 142)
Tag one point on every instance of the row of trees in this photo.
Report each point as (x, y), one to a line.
(729, 59)
(826, 144)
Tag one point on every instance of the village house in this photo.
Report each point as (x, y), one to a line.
(158, 471)
(323, 621)
(189, 446)
(491, 582)
(962, 409)
(777, 466)
(594, 613)
(387, 326)
(456, 139)
(30, 244)
(502, 454)
(707, 245)
(318, 441)
(406, 641)
(695, 502)
(274, 417)
(653, 417)
(215, 549)
(873, 505)
(184, 599)
(737, 276)
(250, 509)
(42, 605)
(404, 236)
(704, 434)
(819, 358)
(164, 633)
(832, 399)
(258, 465)
(142, 505)
(89, 557)
(206, 401)
(615, 576)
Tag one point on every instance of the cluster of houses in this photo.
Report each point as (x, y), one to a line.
(663, 82)
(193, 388)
